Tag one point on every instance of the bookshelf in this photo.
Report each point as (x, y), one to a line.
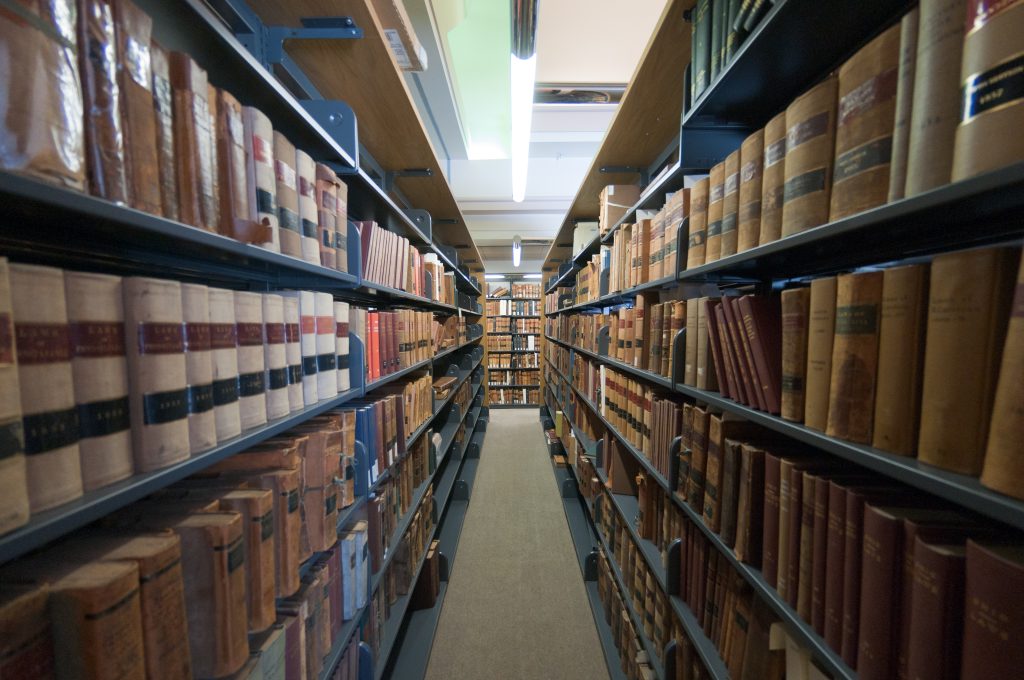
(760, 80)
(111, 238)
(513, 312)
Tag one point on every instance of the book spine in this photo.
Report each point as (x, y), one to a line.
(706, 378)
(716, 194)
(237, 215)
(308, 215)
(14, 501)
(770, 541)
(761, 320)
(252, 400)
(260, 177)
(307, 330)
(773, 179)
(691, 344)
(326, 195)
(937, 612)
(806, 553)
(880, 587)
(701, 47)
(731, 204)
(835, 560)
(341, 318)
(163, 108)
(287, 192)
(751, 173)
(904, 99)
(811, 125)
(852, 569)
(293, 351)
(789, 524)
(326, 347)
(192, 142)
(275, 356)
(202, 426)
(820, 336)
(795, 310)
(96, 332)
(697, 235)
(819, 560)
(224, 360)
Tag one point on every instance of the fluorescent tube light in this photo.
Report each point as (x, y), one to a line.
(532, 276)
(495, 277)
(524, 73)
(517, 250)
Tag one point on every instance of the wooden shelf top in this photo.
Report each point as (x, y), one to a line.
(363, 73)
(644, 123)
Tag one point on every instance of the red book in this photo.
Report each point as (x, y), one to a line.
(834, 565)
(762, 320)
(744, 358)
(373, 343)
(936, 611)
(770, 543)
(994, 596)
(732, 368)
(724, 384)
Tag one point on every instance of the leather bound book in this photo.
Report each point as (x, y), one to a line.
(341, 231)
(341, 344)
(293, 351)
(224, 359)
(275, 356)
(819, 558)
(305, 168)
(326, 195)
(260, 179)
(737, 387)
(900, 355)
(211, 204)
(96, 330)
(991, 111)
(810, 133)
(855, 356)
(866, 114)
(287, 192)
(771, 523)
(751, 172)
(104, 136)
(134, 29)
(163, 108)
(326, 347)
(968, 309)
(820, 335)
(678, 322)
(692, 311)
(762, 322)
(937, 610)
(698, 225)
(284, 483)
(49, 415)
(237, 214)
(202, 425)
(43, 124)
(835, 561)
(26, 637)
(773, 180)
(745, 356)
(1003, 469)
(751, 507)
(707, 378)
(722, 369)
(694, 495)
(720, 428)
(193, 151)
(790, 506)
(252, 400)
(308, 334)
(14, 506)
(795, 310)
(716, 194)
(993, 597)
(731, 204)
(904, 100)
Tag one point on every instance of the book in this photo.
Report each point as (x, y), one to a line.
(100, 375)
(773, 179)
(761, 319)
(202, 426)
(163, 109)
(795, 311)
(237, 214)
(937, 610)
(900, 353)
(771, 522)
(701, 58)
(341, 318)
(613, 203)
(851, 395)
(968, 309)
(326, 195)
(224, 361)
(697, 230)
(905, 76)
(707, 378)
(193, 150)
(722, 369)
(1002, 469)
(992, 597)
(751, 171)
(716, 194)
(308, 216)
(261, 183)
(14, 502)
(820, 336)
(252, 400)
(691, 343)
(26, 636)
(287, 195)
(293, 351)
(810, 135)
(275, 356)
(308, 334)
(731, 204)
(750, 505)
(864, 128)
(988, 112)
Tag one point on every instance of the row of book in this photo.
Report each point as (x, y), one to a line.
(515, 290)
(512, 377)
(507, 396)
(452, 332)
(507, 342)
(510, 325)
(718, 29)
(890, 123)
(395, 340)
(512, 308)
(391, 260)
(497, 359)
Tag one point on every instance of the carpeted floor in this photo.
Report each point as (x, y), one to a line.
(516, 607)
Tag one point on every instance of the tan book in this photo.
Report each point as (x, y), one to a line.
(252, 400)
(305, 168)
(820, 334)
(697, 236)
(193, 148)
(202, 423)
(969, 304)
(157, 372)
(326, 347)
(275, 356)
(773, 179)
(287, 529)
(26, 637)
(900, 357)
(341, 344)
(691, 345)
(341, 231)
(752, 154)
(13, 476)
(677, 209)
(810, 133)
(261, 182)
(320, 462)
(43, 356)
(851, 396)
(307, 330)
(1004, 469)
(224, 361)
(864, 130)
(716, 195)
(163, 107)
(287, 193)
(707, 379)
(293, 351)
(986, 137)
(237, 215)
(904, 100)
(96, 331)
(326, 194)
(795, 320)
(731, 204)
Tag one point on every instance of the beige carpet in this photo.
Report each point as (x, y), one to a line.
(516, 606)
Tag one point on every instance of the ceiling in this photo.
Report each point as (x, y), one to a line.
(579, 42)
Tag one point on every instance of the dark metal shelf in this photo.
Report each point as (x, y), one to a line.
(620, 297)
(655, 378)
(391, 377)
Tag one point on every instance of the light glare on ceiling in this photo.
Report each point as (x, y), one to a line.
(523, 73)
(517, 250)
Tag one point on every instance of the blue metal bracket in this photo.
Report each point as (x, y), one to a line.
(461, 491)
(645, 176)
(702, 147)
(338, 120)
(422, 220)
(391, 175)
(590, 566)
(569, 487)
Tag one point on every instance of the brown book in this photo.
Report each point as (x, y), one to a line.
(287, 195)
(193, 149)
(14, 506)
(731, 204)
(252, 401)
(692, 317)
(795, 310)
(720, 428)
(751, 507)
(698, 226)
(820, 334)
(760, 660)
(790, 506)
(275, 356)
(904, 99)
(968, 310)
(993, 595)
(900, 354)
(751, 172)
(293, 351)
(989, 112)
(811, 125)
(707, 377)
(224, 360)
(261, 181)
(864, 130)
(134, 28)
(835, 560)
(741, 350)
(698, 459)
(104, 136)
(305, 169)
(326, 194)
(237, 215)
(721, 368)
(716, 194)
(855, 356)
(737, 387)
(341, 231)
(771, 521)
(1003, 469)
(668, 364)
(641, 330)
(937, 610)
(163, 108)
(43, 356)
(26, 636)
(773, 180)
(762, 323)
(96, 330)
(202, 425)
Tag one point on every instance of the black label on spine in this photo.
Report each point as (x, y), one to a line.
(293, 501)
(101, 418)
(309, 365)
(697, 238)
(295, 374)
(792, 383)
(308, 228)
(343, 362)
(729, 223)
(48, 431)
(164, 407)
(332, 503)
(265, 202)
(864, 157)
(200, 398)
(804, 184)
(266, 526)
(999, 86)
(236, 555)
(12, 439)
(326, 362)
(251, 384)
(288, 219)
(277, 378)
(715, 228)
(225, 391)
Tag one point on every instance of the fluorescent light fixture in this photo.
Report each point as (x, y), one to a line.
(495, 277)
(517, 250)
(524, 73)
(533, 276)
